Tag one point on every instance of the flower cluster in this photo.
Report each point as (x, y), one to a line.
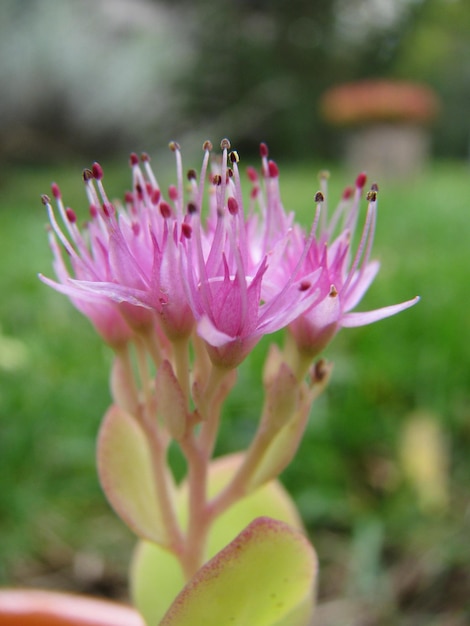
(197, 257)
(182, 284)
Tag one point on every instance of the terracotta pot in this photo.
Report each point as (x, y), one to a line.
(28, 607)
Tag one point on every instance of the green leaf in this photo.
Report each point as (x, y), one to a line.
(126, 476)
(156, 576)
(259, 579)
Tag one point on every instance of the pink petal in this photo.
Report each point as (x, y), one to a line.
(368, 317)
(211, 334)
(360, 284)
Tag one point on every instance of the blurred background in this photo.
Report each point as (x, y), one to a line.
(382, 477)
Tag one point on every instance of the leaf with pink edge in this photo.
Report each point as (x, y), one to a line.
(154, 568)
(260, 578)
(126, 476)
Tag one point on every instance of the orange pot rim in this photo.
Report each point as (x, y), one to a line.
(36, 607)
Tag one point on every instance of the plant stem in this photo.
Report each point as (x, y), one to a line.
(238, 485)
(198, 522)
(181, 364)
(163, 485)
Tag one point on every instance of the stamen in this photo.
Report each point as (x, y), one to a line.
(207, 146)
(333, 292)
(97, 171)
(173, 192)
(232, 205)
(347, 193)
(155, 197)
(165, 209)
(133, 159)
(186, 230)
(71, 216)
(55, 191)
(252, 174)
(273, 169)
(263, 150)
(361, 180)
(225, 144)
(305, 285)
(319, 197)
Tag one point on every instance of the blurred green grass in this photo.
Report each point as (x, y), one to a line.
(347, 477)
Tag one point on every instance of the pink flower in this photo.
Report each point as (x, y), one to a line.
(345, 275)
(126, 264)
(226, 267)
(200, 258)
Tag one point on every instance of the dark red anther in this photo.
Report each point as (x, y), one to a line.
(252, 174)
(186, 230)
(97, 171)
(93, 211)
(55, 191)
(191, 208)
(108, 209)
(263, 150)
(361, 180)
(232, 205)
(191, 174)
(217, 179)
(305, 285)
(165, 209)
(319, 197)
(273, 169)
(45, 199)
(149, 188)
(129, 197)
(173, 193)
(155, 197)
(87, 175)
(347, 193)
(139, 191)
(70, 213)
(133, 159)
(234, 156)
(254, 192)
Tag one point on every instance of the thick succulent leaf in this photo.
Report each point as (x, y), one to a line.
(155, 569)
(258, 579)
(125, 471)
